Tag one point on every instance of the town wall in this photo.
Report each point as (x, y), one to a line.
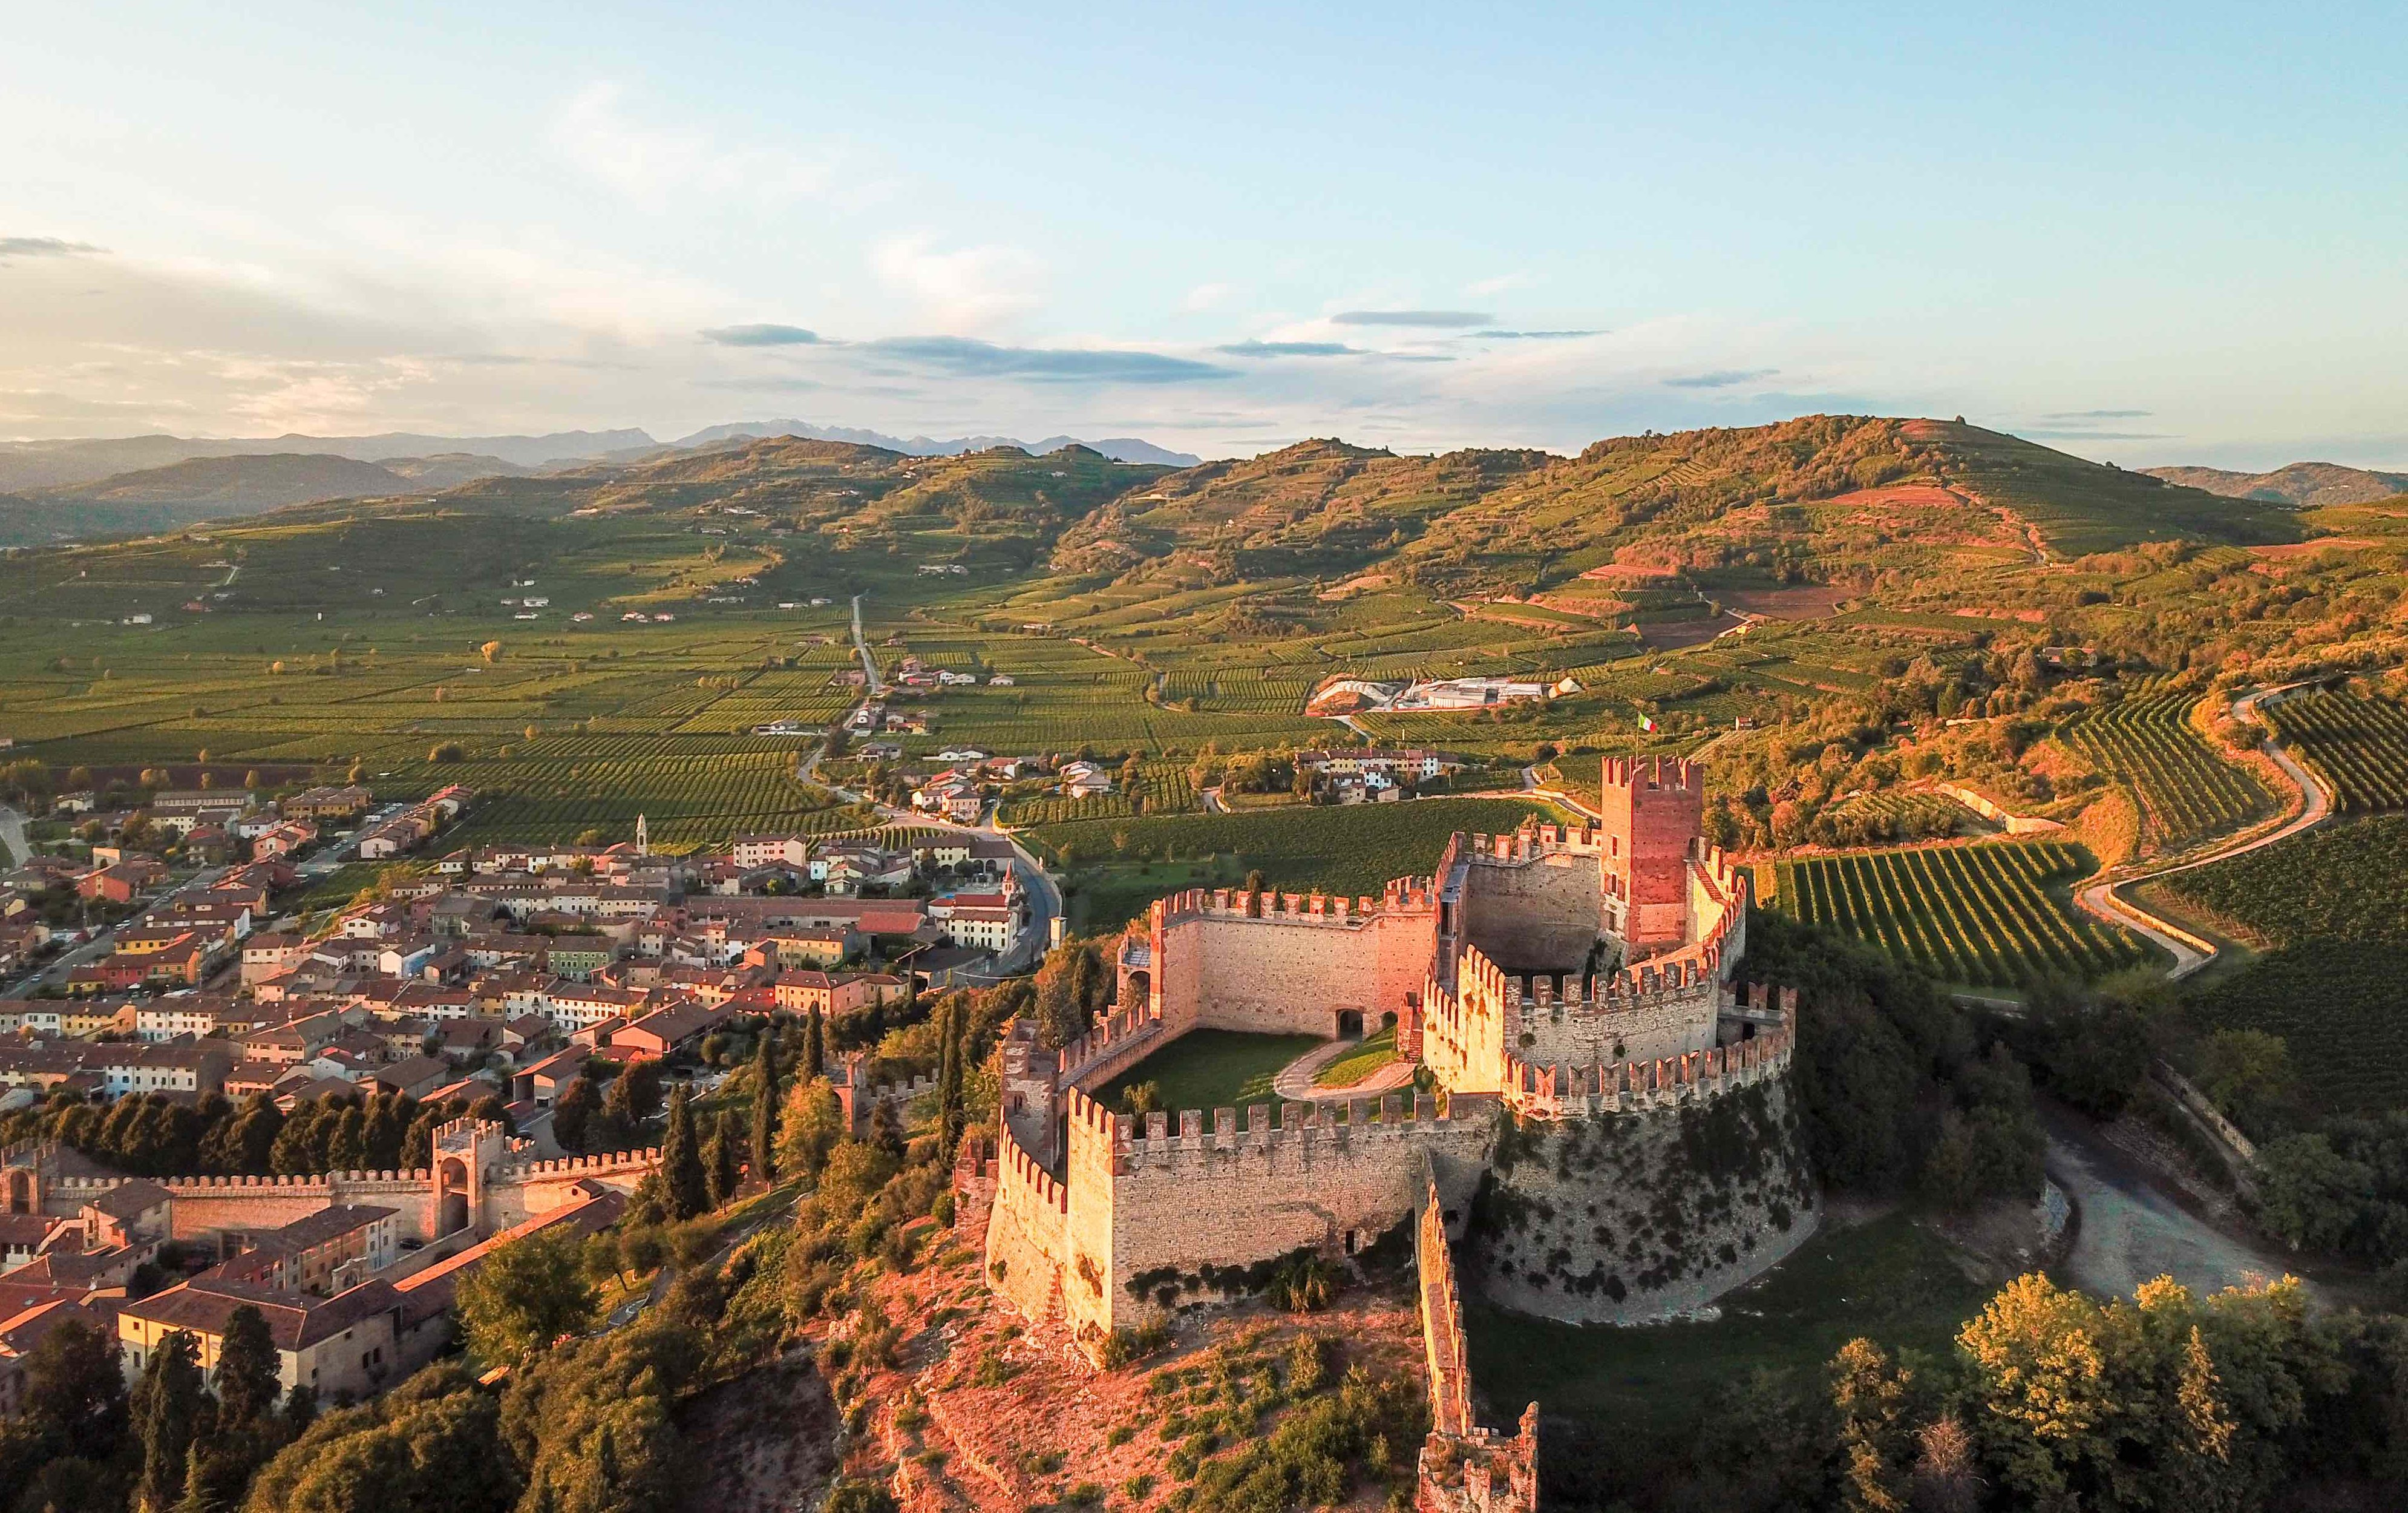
(1462, 1468)
(1148, 1208)
(205, 1205)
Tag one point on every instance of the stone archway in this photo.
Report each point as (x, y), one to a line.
(1136, 989)
(23, 1193)
(451, 1191)
(1350, 1024)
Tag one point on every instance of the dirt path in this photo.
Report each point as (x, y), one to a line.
(2133, 1228)
(1294, 1082)
(2191, 951)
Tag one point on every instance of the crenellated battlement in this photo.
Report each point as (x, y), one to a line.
(1018, 1171)
(1403, 894)
(1639, 774)
(1559, 1093)
(1113, 1040)
(1140, 1144)
(609, 1162)
(92, 1187)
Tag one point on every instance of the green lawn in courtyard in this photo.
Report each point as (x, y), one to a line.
(1210, 1069)
(1369, 1055)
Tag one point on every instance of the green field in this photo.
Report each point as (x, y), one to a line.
(2359, 746)
(2187, 790)
(1210, 1069)
(1994, 915)
(1352, 849)
(1642, 1391)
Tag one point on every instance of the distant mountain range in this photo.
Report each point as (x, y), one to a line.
(1119, 448)
(26, 466)
(96, 487)
(2303, 485)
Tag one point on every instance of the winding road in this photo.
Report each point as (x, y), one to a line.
(2191, 951)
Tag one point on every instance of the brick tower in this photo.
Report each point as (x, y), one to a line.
(1654, 809)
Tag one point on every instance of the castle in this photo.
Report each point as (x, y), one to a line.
(1602, 1085)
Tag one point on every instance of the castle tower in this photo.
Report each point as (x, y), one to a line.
(467, 1155)
(1654, 810)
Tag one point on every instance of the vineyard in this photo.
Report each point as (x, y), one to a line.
(2187, 790)
(2332, 905)
(1992, 915)
(1162, 786)
(2359, 746)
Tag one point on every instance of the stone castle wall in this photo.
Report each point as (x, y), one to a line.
(1538, 915)
(1151, 1206)
(1289, 964)
(1627, 1217)
(1027, 1231)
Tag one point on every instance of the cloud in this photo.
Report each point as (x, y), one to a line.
(44, 247)
(765, 385)
(1289, 348)
(652, 164)
(1485, 288)
(1432, 318)
(2071, 434)
(966, 358)
(1206, 296)
(763, 335)
(1535, 335)
(1721, 377)
(2098, 414)
(969, 286)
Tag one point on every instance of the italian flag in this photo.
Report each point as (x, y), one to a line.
(1647, 722)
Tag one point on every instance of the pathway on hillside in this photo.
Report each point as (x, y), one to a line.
(2134, 1227)
(2191, 951)
(12, 835)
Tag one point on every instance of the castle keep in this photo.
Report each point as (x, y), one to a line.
(1607, 1093)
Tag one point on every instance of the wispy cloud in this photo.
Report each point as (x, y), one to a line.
(652, 162)
(971, 287)
(1289, 348)
(1206, 296)
(1721, 377)
(44, 247)
(1433, 319)
(761, 334)
(1489, 288)
(2061, 432)
(1534, 336)
(966, 358)
(2097, 414)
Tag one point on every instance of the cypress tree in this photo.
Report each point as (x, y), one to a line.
(815, 1048)
(721, 1168)
(951, 1021)
(685, 1185)
(764, 1110)
(247, 1386)
(168, 1416)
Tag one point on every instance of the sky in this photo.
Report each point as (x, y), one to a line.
(2145, 233)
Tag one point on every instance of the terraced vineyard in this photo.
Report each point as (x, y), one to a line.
(1163, 785)
(1990, 916)
(2187, 791)
(2359, 746)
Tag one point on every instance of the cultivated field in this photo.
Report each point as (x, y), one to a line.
(2187, 790)
(2359, 746)
(1991, 916)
